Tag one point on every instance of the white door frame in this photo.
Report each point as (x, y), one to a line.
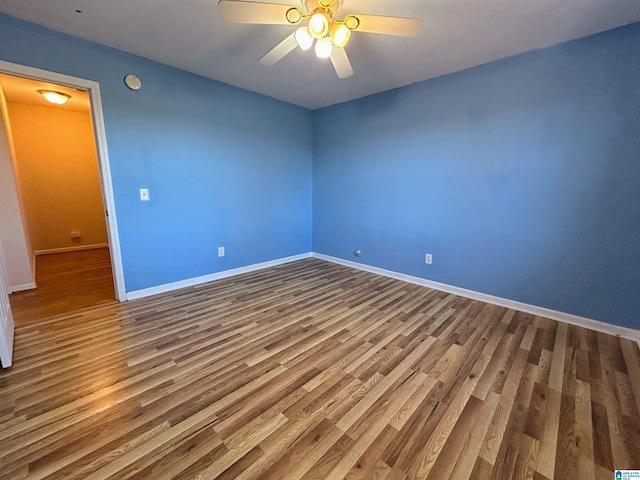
(93, 88)
(7, 327)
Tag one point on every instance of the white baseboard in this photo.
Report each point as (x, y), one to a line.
(21, 288)
(75, 248)
(596, 325)
(169, 287)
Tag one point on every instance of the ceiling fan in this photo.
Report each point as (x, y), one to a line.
(318, 24)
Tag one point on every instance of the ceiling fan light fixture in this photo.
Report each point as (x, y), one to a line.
(319, 25)
(304, 38)
(324, 47)
(55, 97)
(340, 35)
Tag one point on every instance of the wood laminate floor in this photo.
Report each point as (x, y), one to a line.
(316, 371)
(66, 282)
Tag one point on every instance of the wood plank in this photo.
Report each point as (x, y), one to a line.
(312, 370)
(66, 282)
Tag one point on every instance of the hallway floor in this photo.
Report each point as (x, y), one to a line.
(66, 282)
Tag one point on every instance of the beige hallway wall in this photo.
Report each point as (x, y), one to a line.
(59, 176)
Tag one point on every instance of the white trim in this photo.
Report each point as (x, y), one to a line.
(93, 88)
(21, 288)
(190, 282)
(71, 249)
(107, 189)
(7, 325)
(596, 325)
(3, 269)
(33, 264)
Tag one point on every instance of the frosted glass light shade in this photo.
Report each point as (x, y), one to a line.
(304, 38)
(324, 48)
(319, 25)
(55, 97)
(340, 35)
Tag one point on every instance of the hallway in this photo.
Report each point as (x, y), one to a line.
(66, 282)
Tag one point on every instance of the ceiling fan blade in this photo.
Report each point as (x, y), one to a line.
(278, 52)
(341, 63)
(402, 27)
(254, 12)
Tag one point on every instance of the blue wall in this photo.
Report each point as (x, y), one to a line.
(521, 177)
(225, 167)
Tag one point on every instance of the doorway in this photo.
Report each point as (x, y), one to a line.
(59, 266)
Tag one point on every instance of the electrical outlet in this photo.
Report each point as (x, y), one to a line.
(75, 234)
(221, 251)
(428, 259)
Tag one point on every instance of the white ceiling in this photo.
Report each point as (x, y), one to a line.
(456, 34)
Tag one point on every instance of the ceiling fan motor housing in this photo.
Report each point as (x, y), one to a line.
(311, 5)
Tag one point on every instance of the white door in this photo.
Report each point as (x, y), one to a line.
(6, 322)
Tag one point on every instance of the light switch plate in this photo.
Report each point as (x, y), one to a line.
(144, 194)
